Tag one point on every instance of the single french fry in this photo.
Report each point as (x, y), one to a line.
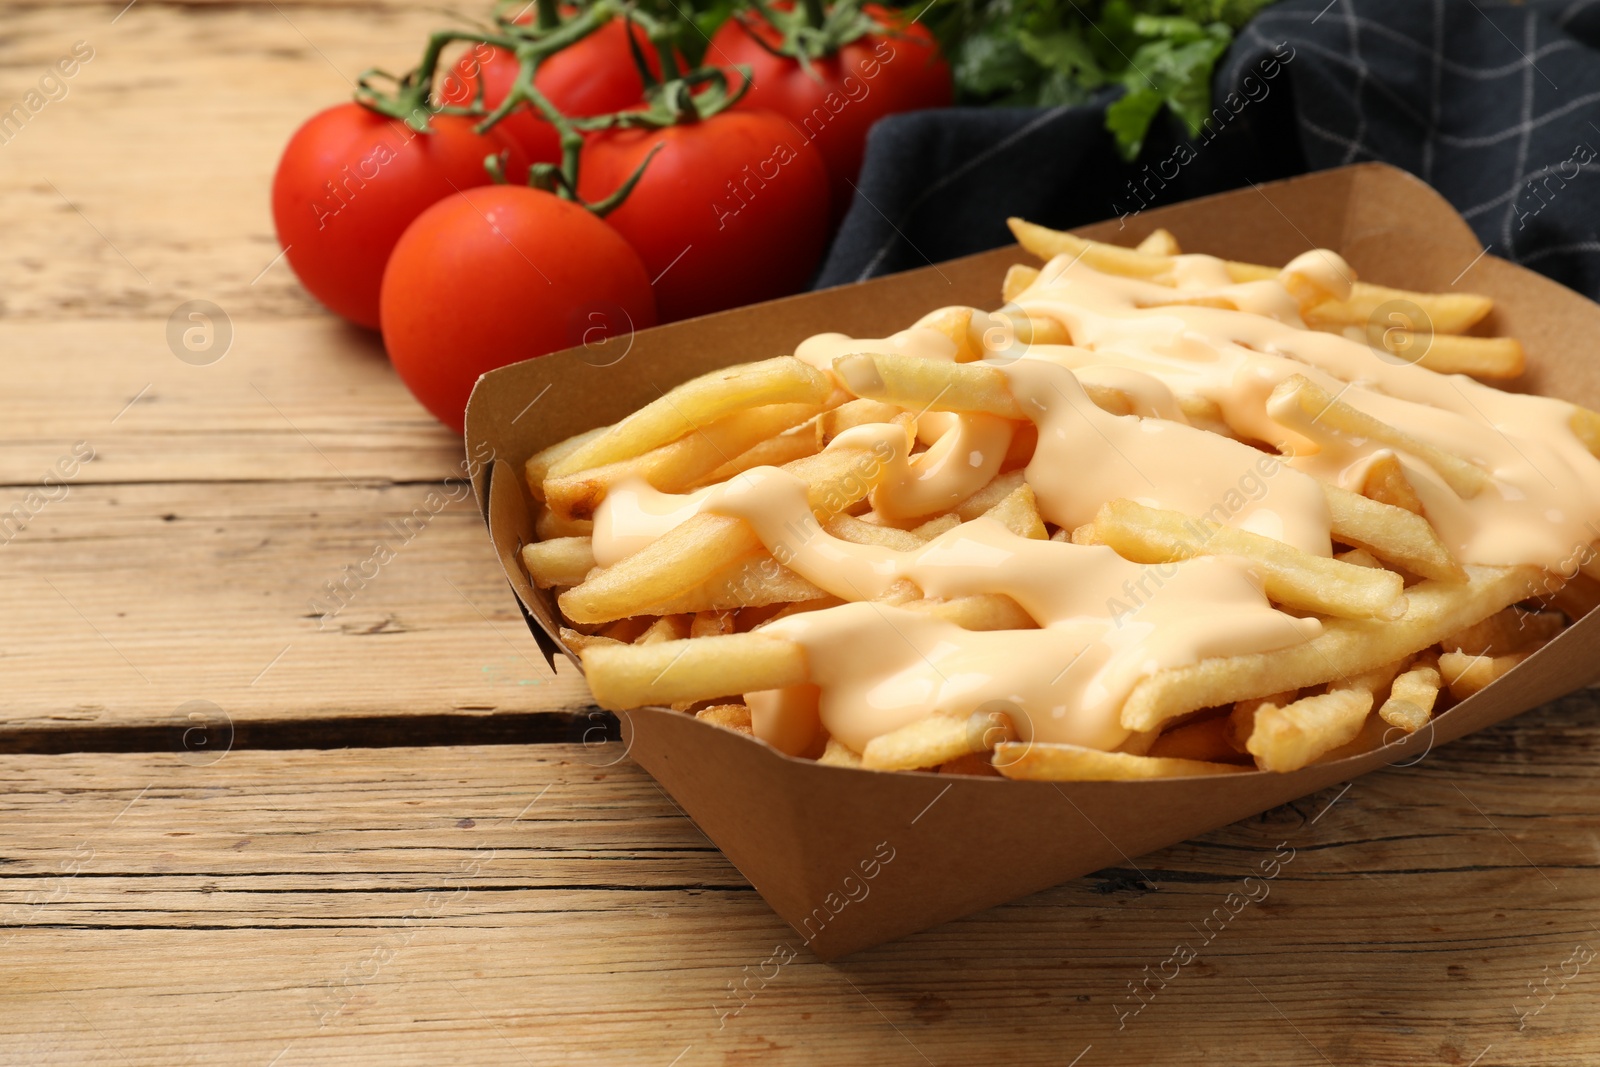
(691, 553)
(1039, 761)
(697, 403)
(999, 487)
(577, 641)
(1242, 719)
(752, 581)
(827, 600)
(1585, 426)
(1024, 441)
(1359, 557)
(900, 592)
(1386, 482)
(937, 739)
(1203, 413)
(1291, 737)
(1018, 278)
(989, 332)
(627, 631)
(1345, 647)
(1466, 674)
(981, 611)
(1373, 735)
(1019, 513)
(703, 668)
(538, 466)
(927, 385)
(778, 451)
(1107, 399)
(1412, 696)
(561, 561)
(678, 465)
(1481, 357)
(1442, 313)
(1576, 597)
(1307, 409)
(956, 323)
(735, 717)
(1392, 534)
(1205, 740)
(666, 628)
(1509, 630)
(850, 528)
(839, 754)
(849, 415)
(1110, 259)
(711, 623)
(1291, 577)
(934, 527)
(1160, 242)
(547, 525)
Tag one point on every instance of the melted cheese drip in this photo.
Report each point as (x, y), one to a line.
(1105, 623)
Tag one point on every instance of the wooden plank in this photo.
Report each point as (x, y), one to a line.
(512, 905)
(128, 602)
(147, 184)
(294, 399)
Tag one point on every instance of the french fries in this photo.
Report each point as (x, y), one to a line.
(930, 742)
(1306, 408)
(559, 561)
(824, 618)
(691, 554)
(1447, 312)
(1392, 534)
(1293, 578)
(1386, 482)
(923, 385)
(1345, 647)
(695, 404)
(1061, 763)
(629, 676)
(1412, 695)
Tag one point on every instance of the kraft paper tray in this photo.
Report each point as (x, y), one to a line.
(853, 858)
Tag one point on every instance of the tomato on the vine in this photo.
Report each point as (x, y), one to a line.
(494, 276)
(593, 76)
(835, 102)
(351, 181)
(732, 209)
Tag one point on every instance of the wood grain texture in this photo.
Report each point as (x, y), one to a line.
(540, 904)
(190, 559)
(516, 905)
(298, 399)
(146, 186)
(126, 602)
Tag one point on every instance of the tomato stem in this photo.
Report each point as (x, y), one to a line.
(814, 30)
(674, 97)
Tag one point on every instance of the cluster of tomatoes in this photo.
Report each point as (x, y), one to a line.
(654, 195)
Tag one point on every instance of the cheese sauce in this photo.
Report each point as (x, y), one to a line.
(1105, 623)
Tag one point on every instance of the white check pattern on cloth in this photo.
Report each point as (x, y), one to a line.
(1485, 101)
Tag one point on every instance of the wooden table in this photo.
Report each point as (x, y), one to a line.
(237, 833)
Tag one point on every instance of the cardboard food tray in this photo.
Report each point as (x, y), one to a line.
(852, 858)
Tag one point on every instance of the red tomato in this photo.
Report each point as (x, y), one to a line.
(495, 276)
(838, 100)
(594, 76)
(732, 210)
(350, 182)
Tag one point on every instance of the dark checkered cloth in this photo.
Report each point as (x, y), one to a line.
(1497, 107)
